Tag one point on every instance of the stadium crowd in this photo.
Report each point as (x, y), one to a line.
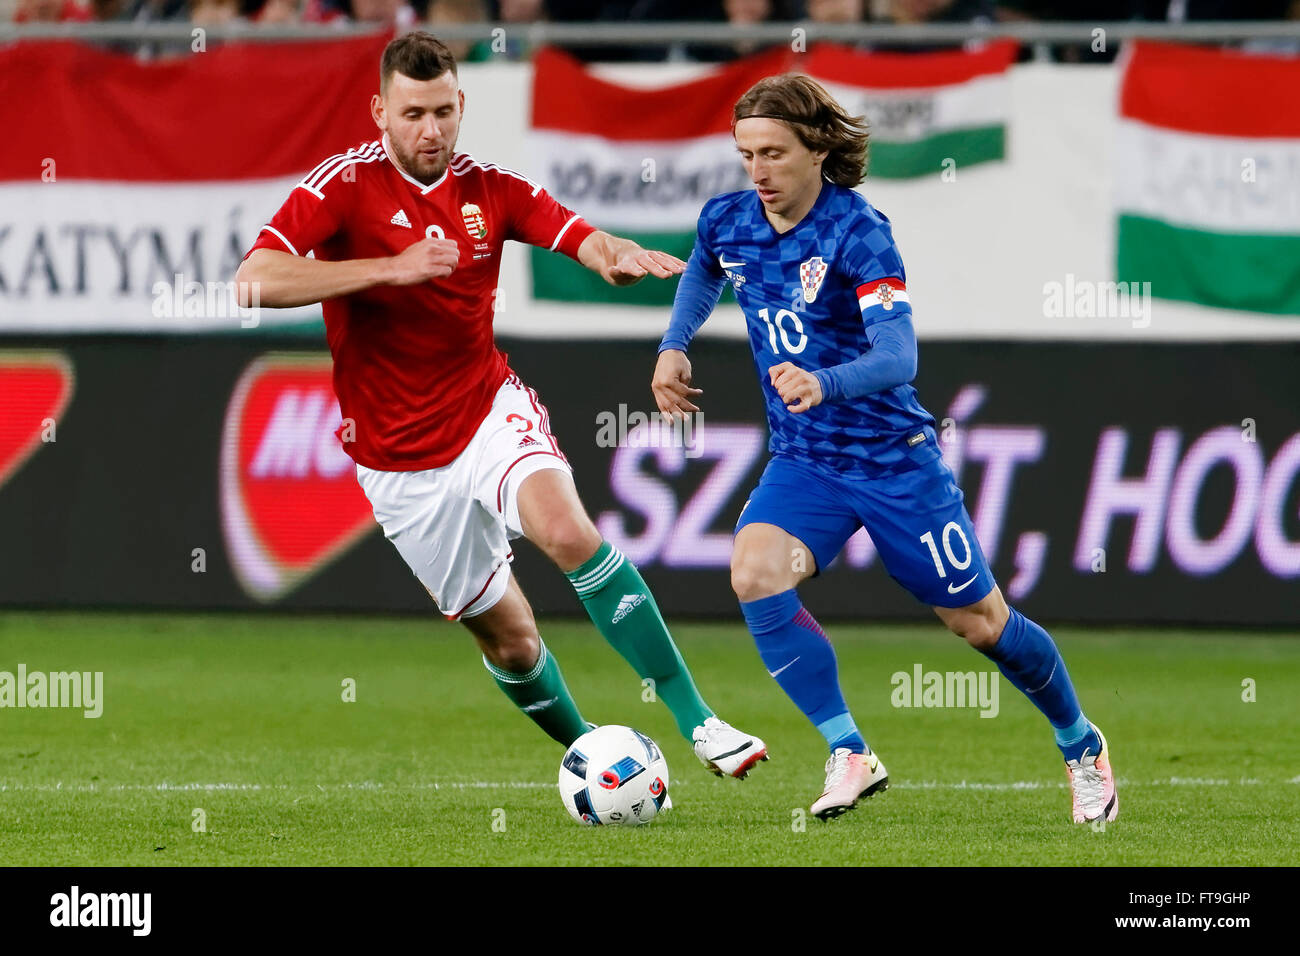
(432, 13)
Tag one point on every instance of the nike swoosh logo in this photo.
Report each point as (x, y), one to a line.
(728, 265)
(954, 590)
(732, 753)
(540, 705)
(780, 669)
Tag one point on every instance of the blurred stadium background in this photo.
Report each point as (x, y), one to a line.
(1098, 206)
(1105, 259)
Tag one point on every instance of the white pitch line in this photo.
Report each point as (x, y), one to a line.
(366, 785)
(164, 787)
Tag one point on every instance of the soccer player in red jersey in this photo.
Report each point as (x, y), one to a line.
(454, 452)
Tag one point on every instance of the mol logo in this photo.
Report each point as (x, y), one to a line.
(290, 502)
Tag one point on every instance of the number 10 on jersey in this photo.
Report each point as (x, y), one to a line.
(946, 537)
(782, 324)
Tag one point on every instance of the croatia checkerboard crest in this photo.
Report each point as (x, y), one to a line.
(811, 273)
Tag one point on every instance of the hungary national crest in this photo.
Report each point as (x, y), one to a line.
(474, 221)
(811, 273)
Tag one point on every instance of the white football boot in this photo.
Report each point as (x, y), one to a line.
(725, 750)
(1092, 784)
(849, 777)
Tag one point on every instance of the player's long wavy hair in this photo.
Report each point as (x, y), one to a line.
(816, 118)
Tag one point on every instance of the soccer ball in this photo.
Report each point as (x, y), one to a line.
(613, 775)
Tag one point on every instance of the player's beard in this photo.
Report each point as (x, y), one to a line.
(420, 170)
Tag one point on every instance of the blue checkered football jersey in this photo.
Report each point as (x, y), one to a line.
(808, 296)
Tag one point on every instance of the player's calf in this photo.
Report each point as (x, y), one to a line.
(522, 666)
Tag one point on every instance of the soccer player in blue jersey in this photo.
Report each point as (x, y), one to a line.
(820, 281)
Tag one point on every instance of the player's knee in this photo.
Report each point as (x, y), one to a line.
(980, 629)
(514, 653)
(753, 579)
(568, 540)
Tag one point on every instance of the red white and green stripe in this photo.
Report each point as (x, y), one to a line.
(1208, 148)
(927, 112)
(640, 163)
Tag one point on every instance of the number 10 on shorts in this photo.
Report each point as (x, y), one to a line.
(947, 538)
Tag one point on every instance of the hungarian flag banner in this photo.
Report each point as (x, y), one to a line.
(928, 112)
(642, 162)
(1208, 148)
(117, 176)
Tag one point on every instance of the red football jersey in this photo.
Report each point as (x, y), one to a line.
(416, 367)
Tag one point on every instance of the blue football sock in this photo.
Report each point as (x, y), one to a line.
(1029, 659)
(798, 654)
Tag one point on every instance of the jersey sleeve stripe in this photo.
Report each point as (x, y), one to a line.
(338, 169)
(326, 171)
(560, 235)
(464, 161)
(321, 166)
(312, 176)
(369, 156)
(279, 235)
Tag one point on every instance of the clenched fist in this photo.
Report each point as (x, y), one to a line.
(424, 260)
(799, 389)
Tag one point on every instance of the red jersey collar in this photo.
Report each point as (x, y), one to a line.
(424, 190)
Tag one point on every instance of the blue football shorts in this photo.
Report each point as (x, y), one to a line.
(916, 519)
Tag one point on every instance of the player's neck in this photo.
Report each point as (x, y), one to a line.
(792, 217)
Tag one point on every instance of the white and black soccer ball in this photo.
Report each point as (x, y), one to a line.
(613, 775)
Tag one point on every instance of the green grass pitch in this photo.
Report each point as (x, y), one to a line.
(242, 717)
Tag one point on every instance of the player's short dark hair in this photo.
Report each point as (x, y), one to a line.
(816, 118)
(419, 55)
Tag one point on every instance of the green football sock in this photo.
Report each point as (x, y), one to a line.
(543, 697)
(624, 610)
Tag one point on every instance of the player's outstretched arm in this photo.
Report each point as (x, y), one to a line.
(623, 262)
(283, 280)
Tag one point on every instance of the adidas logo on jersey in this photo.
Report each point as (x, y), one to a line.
(626, 605)
(527, 440)
(400, 219)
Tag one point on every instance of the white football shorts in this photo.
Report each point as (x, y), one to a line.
(452, 525)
